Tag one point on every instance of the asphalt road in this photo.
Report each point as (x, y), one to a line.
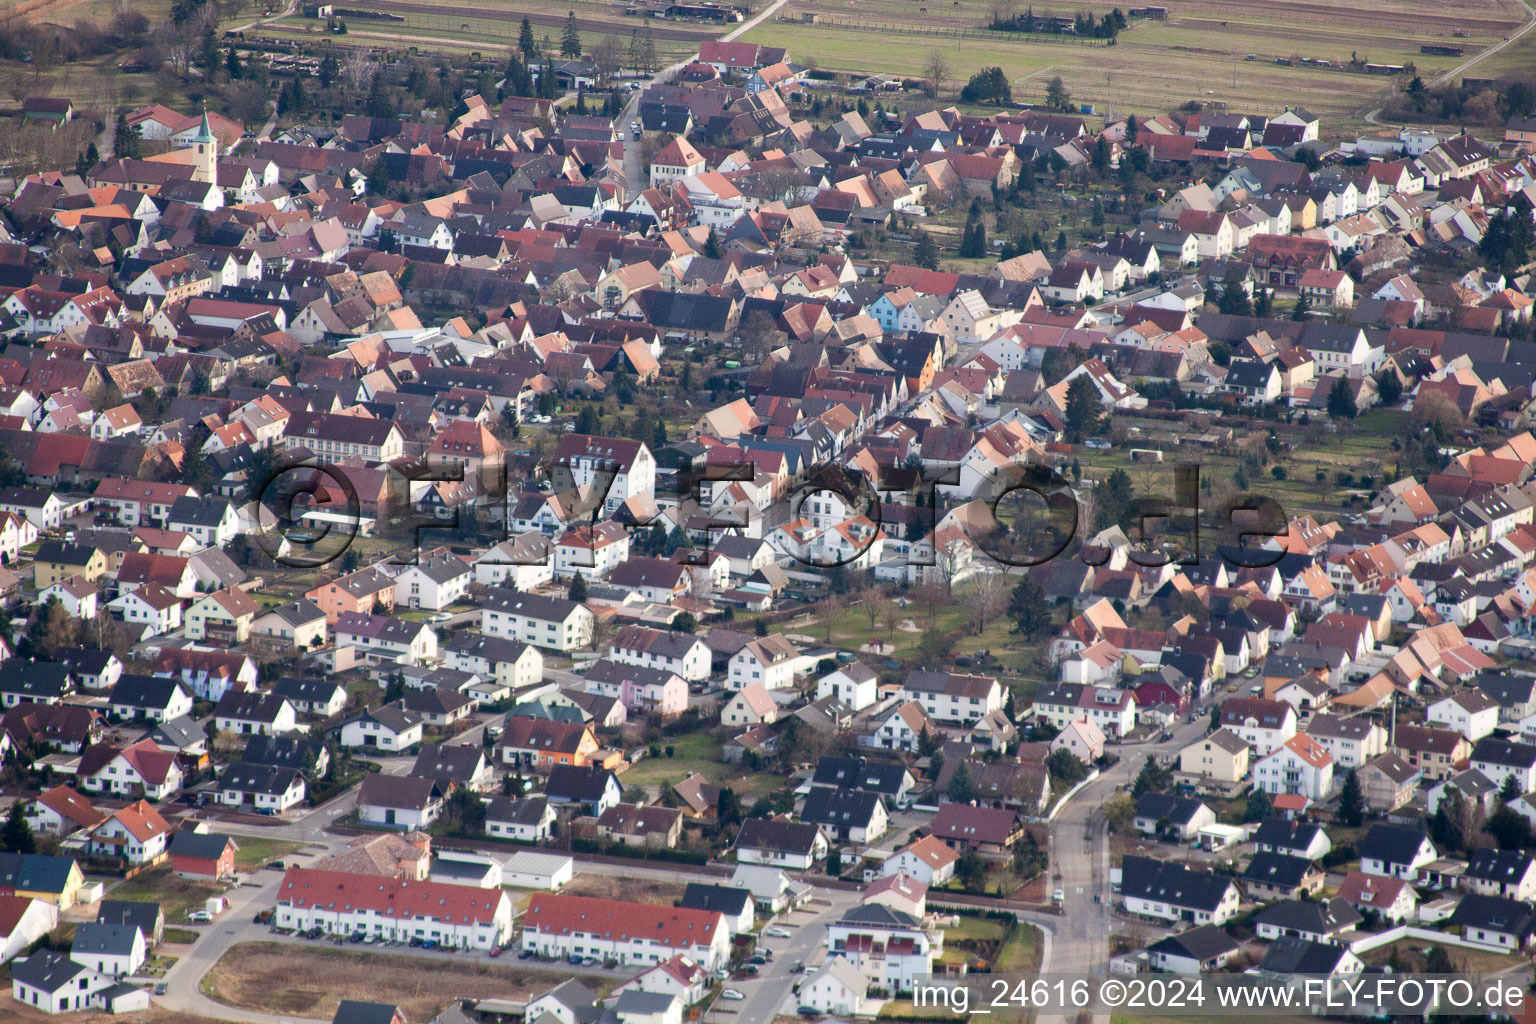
(1079, 841)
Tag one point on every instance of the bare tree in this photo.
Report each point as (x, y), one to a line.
(782, 184)
(987, 598)
(934, 71)
(606, 57)
(828, 611)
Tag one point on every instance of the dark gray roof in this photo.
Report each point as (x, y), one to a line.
(846, 808)
(142, 914)
(1391, 844)
(104, 939)
(35, 680)
(46, 970)
(578, 783)
(1281, 869)
(254, 706)
(1504, 753)
(1200, 943)
(726, 899)
(403, 792)
(446, 763)
(883, 777)
(1292, 955)
(35, 872)
(267, 779)
(1495, 913)
(773, 834)
(1180, 810)
(1503, 866)
(145, 692)
(519, 812)
(1173, 884)
(1319, 917)
(282, 751)
(353, 1011)
(297, 688)
(200, 845)
(1284, 834)
(1505, 688)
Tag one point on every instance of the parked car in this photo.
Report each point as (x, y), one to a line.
(776, 932)
(428, 943)
(160, 989)
(495, 951)
(199, 917)
(759, 960)
(731, 994)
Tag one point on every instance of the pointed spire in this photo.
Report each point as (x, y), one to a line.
(204, 129)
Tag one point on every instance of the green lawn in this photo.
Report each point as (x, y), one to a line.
(697, 752)
(1022, 951)
(255, 852)
(977, 929)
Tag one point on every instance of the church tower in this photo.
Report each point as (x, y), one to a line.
(207, 147)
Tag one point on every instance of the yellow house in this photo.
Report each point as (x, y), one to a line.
(1221, 756)
(55, 880)
(1303, 212)
(57, 561)
(225, 615)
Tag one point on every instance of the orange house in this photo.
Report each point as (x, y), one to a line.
(540, 743)
(366, 591)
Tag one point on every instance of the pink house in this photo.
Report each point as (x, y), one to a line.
(642, 690)
(1084, 739)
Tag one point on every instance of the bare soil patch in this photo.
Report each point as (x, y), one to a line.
(276, 977)
(634, 890)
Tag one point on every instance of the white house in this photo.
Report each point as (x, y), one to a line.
(837, 989)
(116, 950)
(434, 582)
(855, 685)
(404, 802)
(1263, 724)
(1299, 765)
(683, 654)
(634, 934)
(388, 727)
(1472, 713)
(136, 834)
(529, 870)
(529, 819)
(1395, 851)
(771, 661)
(340, 903)
(928, 860)
(890, 948)
(27, 920)
(951, 697)
(53, 983)
(152, 607)
(550, 622)
(1500, 760)
(265, 788)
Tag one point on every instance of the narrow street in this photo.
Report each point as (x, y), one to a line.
(1080, 863)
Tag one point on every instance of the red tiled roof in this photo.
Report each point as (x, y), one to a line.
(392, 897)
(673, 927)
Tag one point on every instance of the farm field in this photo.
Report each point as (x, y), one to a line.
(1197, 53)
(307, 981)
(438, 24)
